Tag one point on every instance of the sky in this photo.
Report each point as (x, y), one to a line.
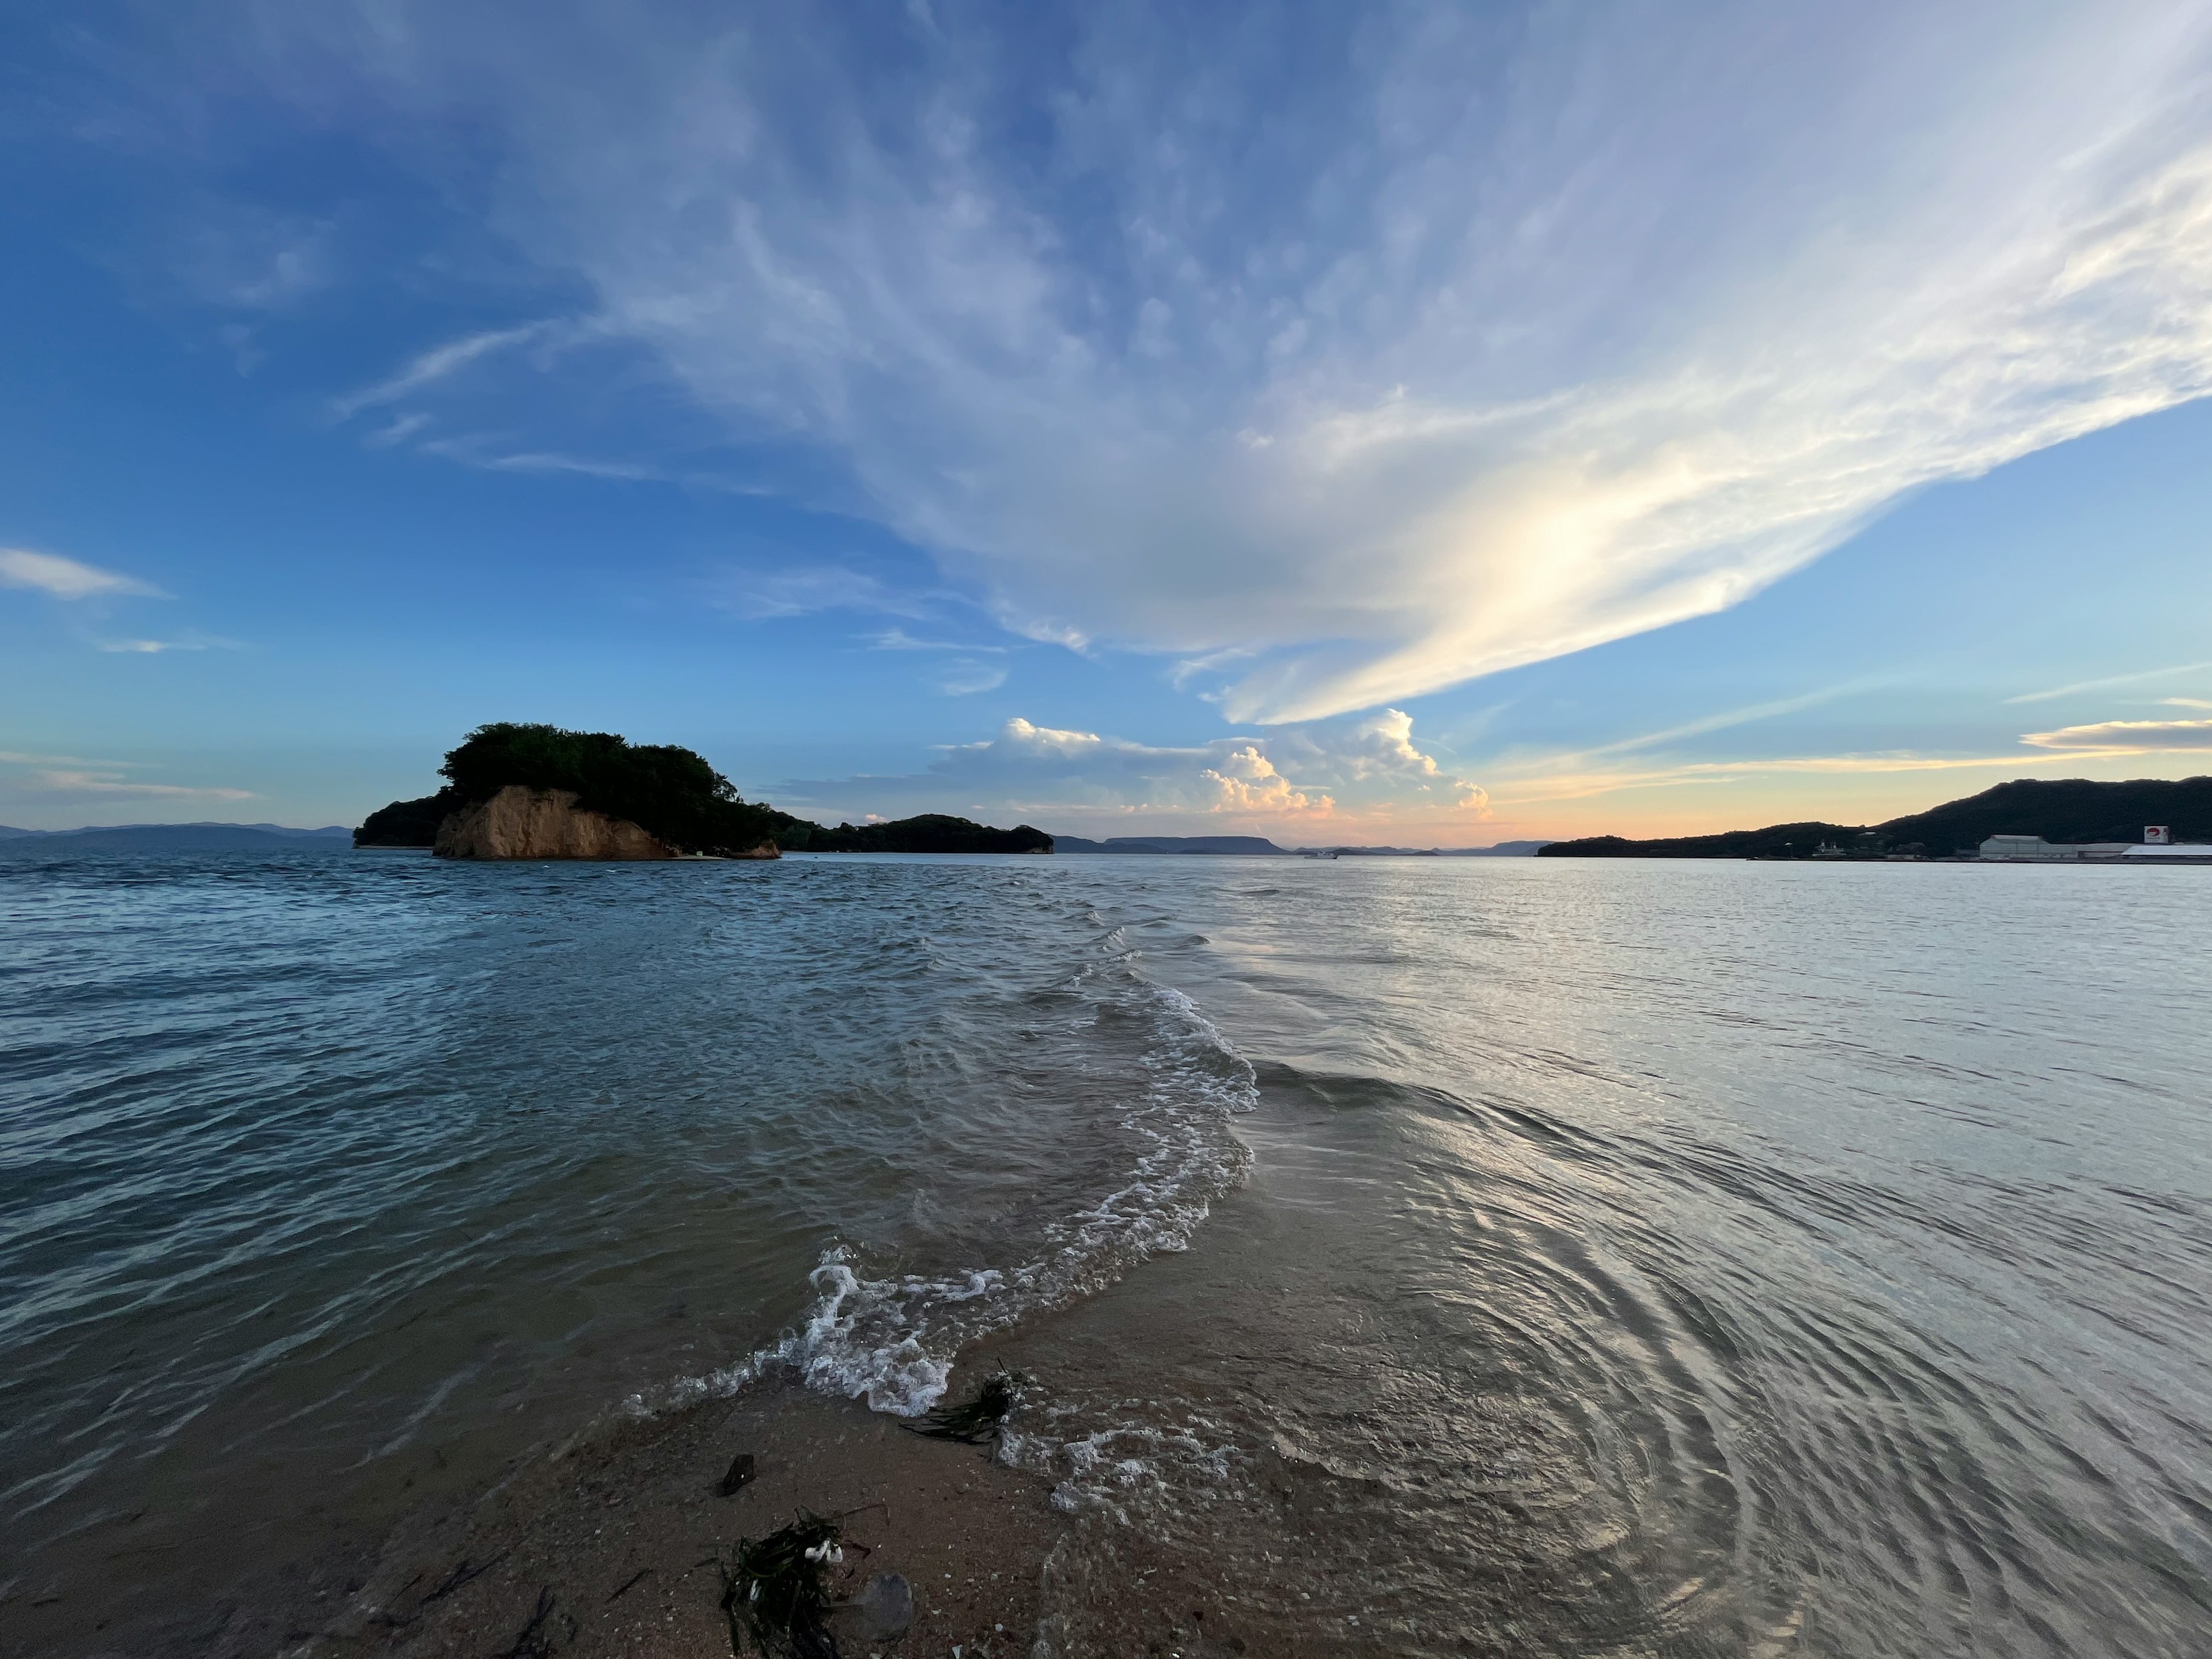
(1437, 425)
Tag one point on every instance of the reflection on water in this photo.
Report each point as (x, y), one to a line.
(1629, 1258)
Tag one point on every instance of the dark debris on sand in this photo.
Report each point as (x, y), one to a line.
(982, 1418)
(778, 1595)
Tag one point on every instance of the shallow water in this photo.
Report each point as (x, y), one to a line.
(1605, 1257)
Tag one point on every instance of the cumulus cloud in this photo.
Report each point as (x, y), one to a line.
(67, 579)
(1445, 342)
(1247, 782)
(1351, 770)
(2126, 736)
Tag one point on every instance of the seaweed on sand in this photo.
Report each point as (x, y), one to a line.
(982, 1418)
(778, 1598)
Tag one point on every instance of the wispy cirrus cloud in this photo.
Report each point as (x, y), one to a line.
(156, 648)
(1450, 343)
(69, 579)
(111, 783)
(2110, 682)
(2127, 737)
(247, 257)
(427, 368)
(491, 456)
(11, 757)
(963, 676)
(803, 590)
(897, 638)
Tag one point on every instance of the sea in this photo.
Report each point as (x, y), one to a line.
(1474, 1256)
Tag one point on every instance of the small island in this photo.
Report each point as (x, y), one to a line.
(520, 790)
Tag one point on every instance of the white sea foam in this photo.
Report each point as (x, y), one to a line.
(891, 1340)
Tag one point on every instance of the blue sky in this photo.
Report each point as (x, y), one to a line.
(1436, 424)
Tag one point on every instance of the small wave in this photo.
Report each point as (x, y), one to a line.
(892, 1339)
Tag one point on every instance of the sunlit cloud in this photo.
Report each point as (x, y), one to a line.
(1542, 787)
(1367, 770)
(1351, 386)
(67, 579)
(2127, 737)
(2110, 681)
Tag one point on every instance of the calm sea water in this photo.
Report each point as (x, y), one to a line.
(1594, 1258)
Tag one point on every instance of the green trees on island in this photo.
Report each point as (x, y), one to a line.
(670, 792)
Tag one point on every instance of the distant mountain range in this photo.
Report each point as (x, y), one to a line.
(1258, 847)
(1503, 849)
(172, 838)
(1235, 846)
(2057, 809)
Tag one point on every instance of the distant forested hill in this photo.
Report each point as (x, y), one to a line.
(1235, 846)
(2057, 809)
(171, 838)
(931, 832)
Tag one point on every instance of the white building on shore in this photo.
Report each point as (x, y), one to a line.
(2157, 847)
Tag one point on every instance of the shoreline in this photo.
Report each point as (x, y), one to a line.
(616, 1543)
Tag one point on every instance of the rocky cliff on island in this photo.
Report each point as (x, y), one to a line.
(541, 824)
(539, 792)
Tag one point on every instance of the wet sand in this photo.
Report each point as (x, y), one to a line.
(615, 1545)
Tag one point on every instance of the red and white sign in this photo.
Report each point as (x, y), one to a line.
(2155, 835)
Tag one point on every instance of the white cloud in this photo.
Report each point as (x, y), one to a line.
(1248, 783)
(397, 430)
(897, 638)
(963, 676)
(14, 758)
(1481, 339)
(2106, 684)
(436, 364)
(107, 783)
(66, 579)
(476, 451)
(759, 595)
(2126, 736)
(154, 648)
(1545, 786)
(1349, 771)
